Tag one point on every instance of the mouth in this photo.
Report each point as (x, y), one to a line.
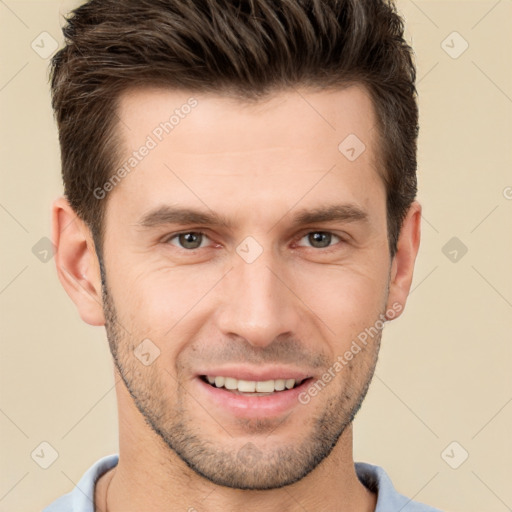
(252, 393)
(252, 387)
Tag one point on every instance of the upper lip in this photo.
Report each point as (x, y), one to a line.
(256, 374)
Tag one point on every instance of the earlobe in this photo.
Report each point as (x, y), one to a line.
(77, 262)
(402, 266)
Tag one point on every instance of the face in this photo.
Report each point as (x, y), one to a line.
(244, 244)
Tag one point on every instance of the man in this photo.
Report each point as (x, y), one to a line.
(240, 215)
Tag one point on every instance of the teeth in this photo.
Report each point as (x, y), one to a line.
(251, 386)
(246, 386)
(279, 384)
(265, 386)
(230, 383)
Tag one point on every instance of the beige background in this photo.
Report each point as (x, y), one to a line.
(444, 371)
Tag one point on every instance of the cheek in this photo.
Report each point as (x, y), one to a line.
(160, 301)
(156, 300)
(345, 299)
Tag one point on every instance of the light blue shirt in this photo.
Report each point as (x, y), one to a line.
(81, 498)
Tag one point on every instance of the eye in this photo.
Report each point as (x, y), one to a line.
(320, 239)
(191, 240)
(188, 240)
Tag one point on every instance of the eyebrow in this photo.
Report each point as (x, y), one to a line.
(163, 215)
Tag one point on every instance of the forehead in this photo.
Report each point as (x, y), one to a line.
(196, 121)
(212, 147)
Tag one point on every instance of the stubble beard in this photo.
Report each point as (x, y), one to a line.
(250, 465)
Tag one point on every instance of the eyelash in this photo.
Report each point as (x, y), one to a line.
(168, 239)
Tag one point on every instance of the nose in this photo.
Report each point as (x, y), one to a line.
(258, 303)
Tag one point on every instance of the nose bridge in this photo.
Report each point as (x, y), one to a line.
(257, 305)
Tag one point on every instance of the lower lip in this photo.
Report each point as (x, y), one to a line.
(246, 406)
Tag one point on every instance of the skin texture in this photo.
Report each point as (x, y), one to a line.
(298, 305)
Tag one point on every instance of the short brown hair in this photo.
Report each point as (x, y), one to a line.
(242, 48)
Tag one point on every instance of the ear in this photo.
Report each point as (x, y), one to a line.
(402, 266)
(77, 263)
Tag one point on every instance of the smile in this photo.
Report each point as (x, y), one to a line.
(253, 387)
(250, 398)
